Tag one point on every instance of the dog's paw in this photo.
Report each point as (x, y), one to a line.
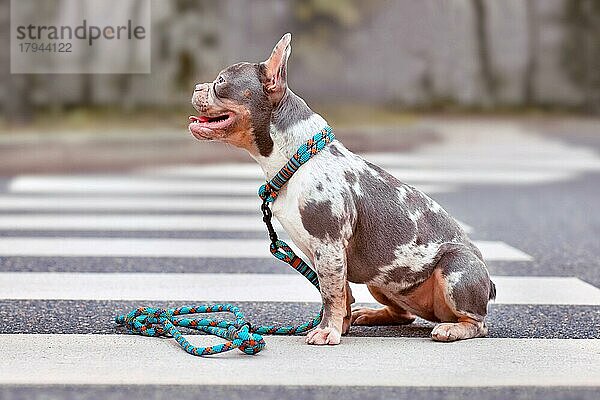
(446, 333)
(361, 316)
(322, 336)
(380, 316)
(365, 316)
(449, 332)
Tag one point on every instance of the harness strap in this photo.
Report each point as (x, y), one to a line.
(240, 334)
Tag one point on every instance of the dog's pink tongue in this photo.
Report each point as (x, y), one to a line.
(193, 118)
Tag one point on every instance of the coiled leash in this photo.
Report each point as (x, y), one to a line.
(239, 333)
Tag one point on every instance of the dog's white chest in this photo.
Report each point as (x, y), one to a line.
(286, 210)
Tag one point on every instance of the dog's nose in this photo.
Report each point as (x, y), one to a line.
(199, 87)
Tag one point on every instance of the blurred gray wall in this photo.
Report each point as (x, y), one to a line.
(406, 52)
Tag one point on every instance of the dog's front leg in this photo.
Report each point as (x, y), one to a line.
(330, 264)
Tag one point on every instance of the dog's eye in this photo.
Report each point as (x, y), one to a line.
(220, 80)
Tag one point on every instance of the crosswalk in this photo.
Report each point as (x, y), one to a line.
(222, 287)
(69, 238)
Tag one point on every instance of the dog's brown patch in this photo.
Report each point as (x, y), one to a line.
(241, 134)
(429, 300)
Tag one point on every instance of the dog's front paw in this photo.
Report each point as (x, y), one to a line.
(322, 336)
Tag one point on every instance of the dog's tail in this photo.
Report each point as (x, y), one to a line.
(492, 290)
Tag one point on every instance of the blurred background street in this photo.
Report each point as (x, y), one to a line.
(107, 203)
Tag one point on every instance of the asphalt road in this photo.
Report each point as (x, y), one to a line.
(544, 340)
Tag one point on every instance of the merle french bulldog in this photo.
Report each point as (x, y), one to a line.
(356, 222)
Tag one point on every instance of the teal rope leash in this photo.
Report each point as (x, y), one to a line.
(240, 334)
(150, 321)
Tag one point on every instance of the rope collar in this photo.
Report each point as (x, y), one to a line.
(268, 191)
(240, 334)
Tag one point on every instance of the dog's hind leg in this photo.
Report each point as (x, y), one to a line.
(462, 291)
(391, 314)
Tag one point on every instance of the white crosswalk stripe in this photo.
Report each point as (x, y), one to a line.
(222, 198)
(134, 222)
(253, 287)
(581, 161)
(134, 184)
(409, 175)
(140, 222)
(116, 203)
(147, 247)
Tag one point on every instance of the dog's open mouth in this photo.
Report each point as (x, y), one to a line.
(203, 126)
(210, 122)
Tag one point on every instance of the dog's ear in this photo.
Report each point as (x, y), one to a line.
(274, 69)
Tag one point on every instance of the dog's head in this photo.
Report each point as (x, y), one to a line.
(236, 107)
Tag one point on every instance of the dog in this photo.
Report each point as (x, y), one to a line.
(352, 219)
